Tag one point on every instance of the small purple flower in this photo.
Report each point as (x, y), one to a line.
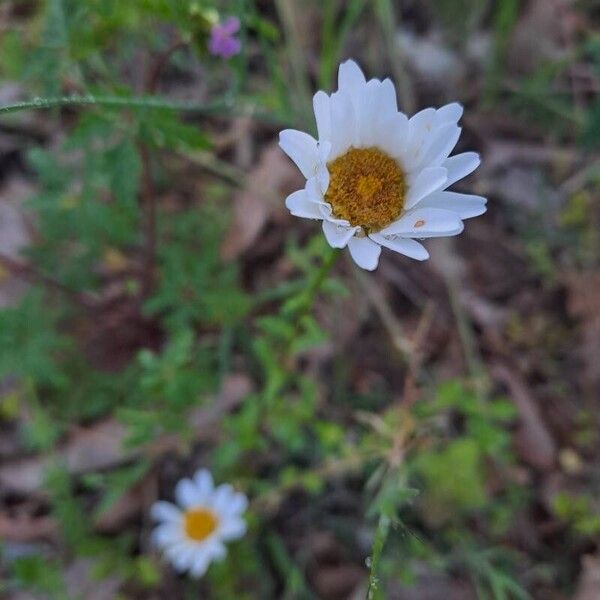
(222, 38)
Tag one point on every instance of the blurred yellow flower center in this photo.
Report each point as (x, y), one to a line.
(199, 523)
(366, 187)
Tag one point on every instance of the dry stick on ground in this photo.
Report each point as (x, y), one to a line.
(24, 270)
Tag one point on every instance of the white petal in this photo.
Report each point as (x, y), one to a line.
(365, 252)
(440, 145)
(232, 529)
(313, 190)
(174, 550)
(427, 181)
(392, 134)
(182, 559)
(187, 494)
(301, 148)
(322, 177)
(460, 166)
(426, 222)
(350, 78)
(420, 127)
(166, 534)
(322, 108)
(199, 563)
(222, 497)
(238, 504)
(342, 124)
(216, 549)
(165, 511)
(204, 483)
(367, 105)
(406, 246)
(235, 506)
(450, 113)
(421, 123)
(465, 205)
(327, 214)
(299, 205)
(337, 236)
(387, 93)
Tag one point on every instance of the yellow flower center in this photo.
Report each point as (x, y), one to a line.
(199, 523)
(366, 187)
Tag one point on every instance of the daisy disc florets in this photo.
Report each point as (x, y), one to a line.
(375, 177)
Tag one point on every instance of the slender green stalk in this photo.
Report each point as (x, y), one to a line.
(224, 108)
(505, 17)
(296, 311)
(384, 9)
(335, 32)
(383, 530)
(114, 102)
(317, 281)
(288, 14)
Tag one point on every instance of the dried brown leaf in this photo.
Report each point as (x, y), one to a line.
(26, 528)
(101, 445)
(583, 304)
(588, 587)
(262, 197)
(533, 441)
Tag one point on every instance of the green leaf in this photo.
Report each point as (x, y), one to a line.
(123, 165)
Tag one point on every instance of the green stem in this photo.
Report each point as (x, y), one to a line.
(113, 102)
(383, 529)
(224, 108)
(315, 285)
(301, 307)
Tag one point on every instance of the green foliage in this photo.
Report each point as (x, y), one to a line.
(454, 480)
(579, 511)
(81, 224)
(443, 483)
(38, 573)
(106, 181)
(30, 345)
(490, 572)
(168, 385)
(505, 17)
(196, 287)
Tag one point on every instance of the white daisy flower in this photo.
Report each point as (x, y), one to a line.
(377, 178)
(192, 534)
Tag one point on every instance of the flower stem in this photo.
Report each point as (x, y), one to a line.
(383, 529)
(114, 102)
(223, 108)
(318, 279)
(295, 313)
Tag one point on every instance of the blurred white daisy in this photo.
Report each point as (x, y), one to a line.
(377, 178)
(192, 534)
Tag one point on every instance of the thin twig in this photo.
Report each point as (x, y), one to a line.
(160, 62)
(148, 206)
(148, 200)
(24, 270)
